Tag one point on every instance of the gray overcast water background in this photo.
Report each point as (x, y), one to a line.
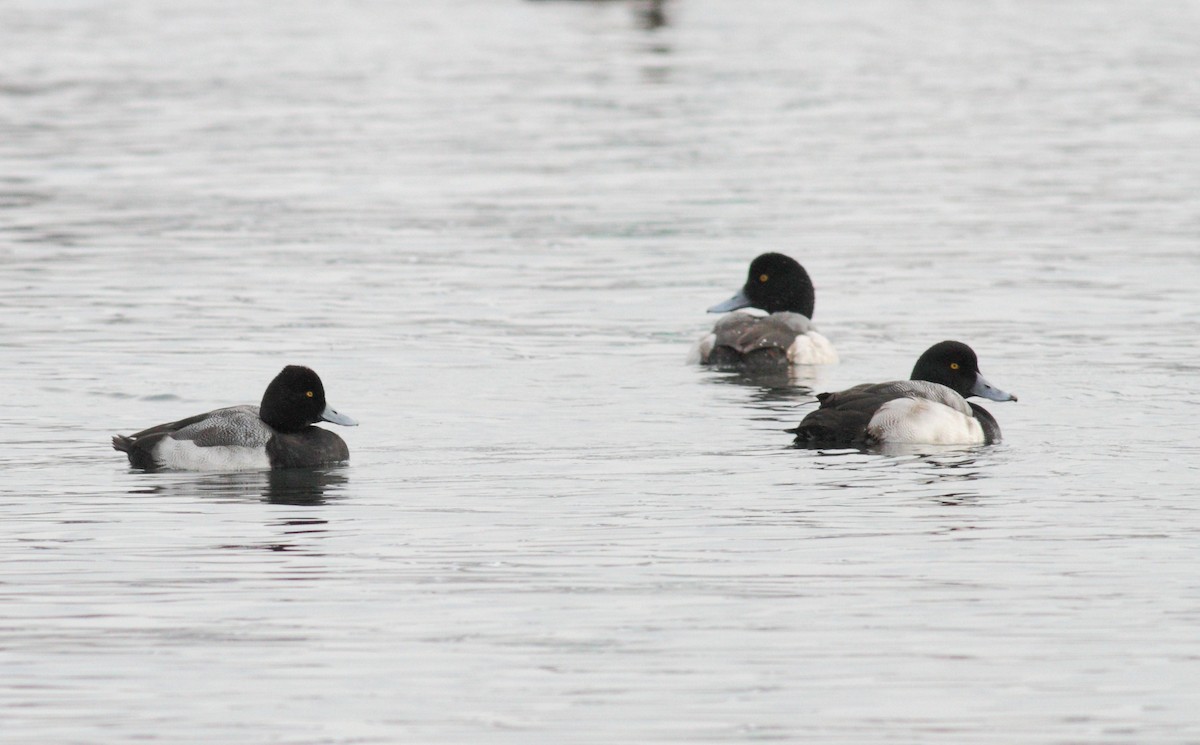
(493, 227)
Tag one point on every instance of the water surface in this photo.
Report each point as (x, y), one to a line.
(493, 228)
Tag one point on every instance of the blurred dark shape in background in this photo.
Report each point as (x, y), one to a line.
(650, 14)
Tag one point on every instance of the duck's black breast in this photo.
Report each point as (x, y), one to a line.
(308, 448)
(991, 428)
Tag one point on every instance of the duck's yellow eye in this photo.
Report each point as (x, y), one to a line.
(309, 393)
(763, 278)
(953, 366)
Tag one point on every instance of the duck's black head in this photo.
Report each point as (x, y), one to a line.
(954, 365)
(296, 399)
(775, 283)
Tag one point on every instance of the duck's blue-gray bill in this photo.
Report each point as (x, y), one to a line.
(331, 415)
(737, 301)
(985, 389)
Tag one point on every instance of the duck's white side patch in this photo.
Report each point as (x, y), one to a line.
(812, 349)
(186, 455)
(701, 349)
(920, 421)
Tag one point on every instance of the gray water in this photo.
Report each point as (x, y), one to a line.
(493, 227)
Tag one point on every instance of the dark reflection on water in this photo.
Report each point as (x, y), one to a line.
(300, 486)
(295, 534)
(774, 390)
(294, 486)
(937, 466)
(957, 499)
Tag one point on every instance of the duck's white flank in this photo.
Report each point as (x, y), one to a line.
(186, 455)
(921, 421)
(703, 347)
(811, 348)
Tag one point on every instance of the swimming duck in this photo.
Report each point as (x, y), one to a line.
(274, 434)
(779, 286)
(930, 408)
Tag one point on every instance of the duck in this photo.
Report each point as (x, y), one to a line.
(278, 433)
(930, 408)
(779, 334)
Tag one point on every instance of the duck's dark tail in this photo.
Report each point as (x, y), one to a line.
(138, 450)
(767, 359)
(830, 427)
(809, 434)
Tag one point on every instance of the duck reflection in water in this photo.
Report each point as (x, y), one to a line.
(777, 390)
(945, 474)
(303, 486)
(291, 486)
